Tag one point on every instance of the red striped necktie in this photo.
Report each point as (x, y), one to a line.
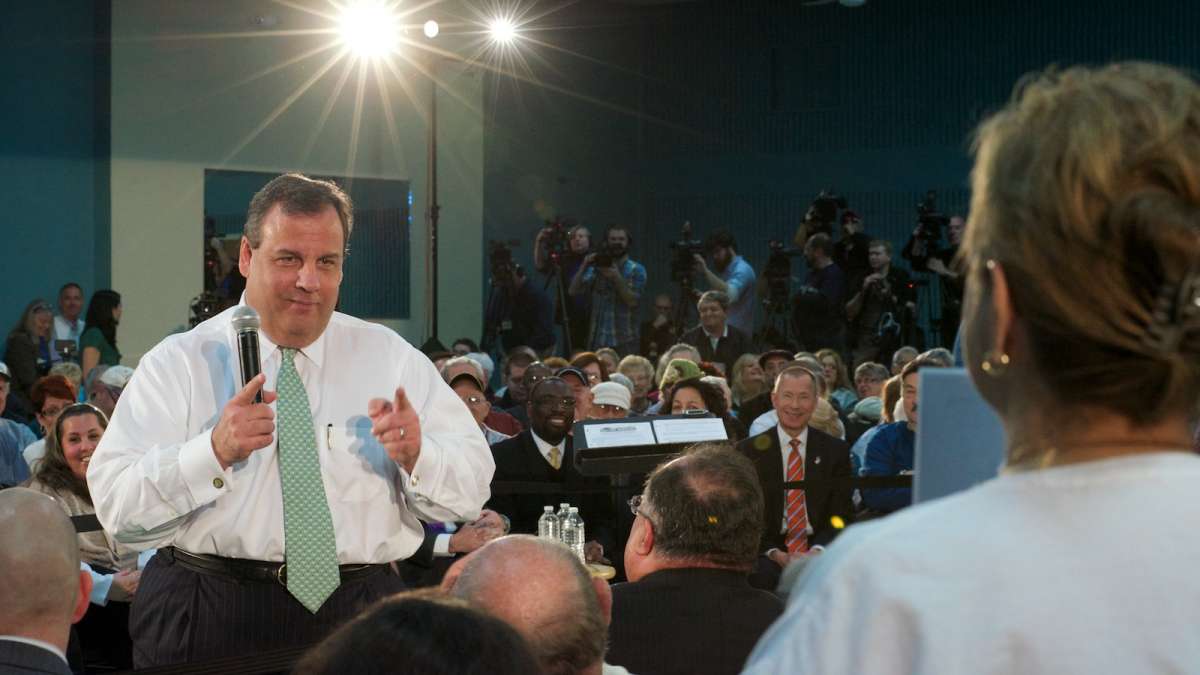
(797, 510)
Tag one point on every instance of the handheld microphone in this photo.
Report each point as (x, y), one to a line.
(245, 326)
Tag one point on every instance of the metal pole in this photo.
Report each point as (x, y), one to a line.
(432, 212)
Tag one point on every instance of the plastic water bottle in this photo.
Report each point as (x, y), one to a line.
(548, 526)
(574, 535)
(563, 508)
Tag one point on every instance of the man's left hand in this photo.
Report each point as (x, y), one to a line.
(608, 272)
(701, 266)
(396, 426)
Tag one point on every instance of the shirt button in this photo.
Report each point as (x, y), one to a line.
(218, 483)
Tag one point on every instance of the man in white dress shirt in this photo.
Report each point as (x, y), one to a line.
(68, 323)
(271, 540)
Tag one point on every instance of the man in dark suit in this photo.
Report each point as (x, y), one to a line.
(717, 341)
(797, 521)
(688, 607)
(43, 591)
(544, 454)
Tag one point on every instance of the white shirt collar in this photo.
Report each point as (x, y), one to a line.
(785, 441)
(314, 352)
(37, 643)
(544, 446)
(724, 333)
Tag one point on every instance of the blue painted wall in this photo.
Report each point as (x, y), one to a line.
(54, 150)
(737, 113)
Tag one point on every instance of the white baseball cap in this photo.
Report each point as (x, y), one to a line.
(611, 393)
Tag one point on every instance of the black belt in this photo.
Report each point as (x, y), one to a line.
(259, 570)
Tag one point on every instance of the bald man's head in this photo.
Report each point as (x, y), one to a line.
(39, 553)
(540, 588)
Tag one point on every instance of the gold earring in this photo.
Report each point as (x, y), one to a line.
(995, 364)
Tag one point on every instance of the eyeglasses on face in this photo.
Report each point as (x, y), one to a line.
(474, 399)
(635, 507)
(554, 401)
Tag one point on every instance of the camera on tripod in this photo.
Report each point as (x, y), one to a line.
(778, 272)
(203, 307)
(557, 239)
(683, 255)
(930, 221)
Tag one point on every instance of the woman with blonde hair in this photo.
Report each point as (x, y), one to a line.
(747, 379)
(841, 389)
(1082, 330)
(640, 371)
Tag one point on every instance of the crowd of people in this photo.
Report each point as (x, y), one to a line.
(364, 509)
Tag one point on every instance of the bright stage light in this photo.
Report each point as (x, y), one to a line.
(502, 30)
(432, 29)
(369, 28)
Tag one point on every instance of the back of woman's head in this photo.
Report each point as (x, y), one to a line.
(100, 313)
(1086, 192)
(891, 394)
(421, 633)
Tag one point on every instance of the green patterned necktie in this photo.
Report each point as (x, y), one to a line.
(310, 551)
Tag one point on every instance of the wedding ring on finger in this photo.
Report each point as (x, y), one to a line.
(403, 431)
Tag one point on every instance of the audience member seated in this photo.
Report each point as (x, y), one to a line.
(610, 401)
(676, 370)
(581, 389)
(841, 390)
(695, 394)
(890, 452)
(1081, 329)
(678, 351)
(901, 358)
(463, 346)
(592, 367)
(640, 371)
(867, 413)
(69, 323)
(746, 381)
(444, 543)
(421, 633)
(30, 353)
(50, 395)
(496, 419)
(716, 340)
(688, 608)
(659, 333)
(771, 362)
(14, 438)
(534, 373)
(544, 453)
(62, 474)
(106, 390)
(869, 378)
(796, 520)
(556, 362)
(513, 392)
(98, 343)
(44, 589)
(470, 390)
(610, 358)
(824, 417)
(71, 371)
(539, 587)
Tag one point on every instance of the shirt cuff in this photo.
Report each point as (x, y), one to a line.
(441, 546)
(426, 471)
(101, 585)
(201, 472)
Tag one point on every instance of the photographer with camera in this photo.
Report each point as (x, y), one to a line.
(883, 302)
(818, 310)
(558, 252)
(850, 252)
(519, 313)
(731, 275)
(923, 252)
(615, 284)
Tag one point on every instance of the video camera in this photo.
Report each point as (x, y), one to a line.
(929, 220)
(203, 307)
(558, 239)
(683, 255)
(778, 272)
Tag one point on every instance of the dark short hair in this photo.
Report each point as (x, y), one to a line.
(881, 243)
(820, 242)
(720, 239)
(421, 632)
(518, 356)
(472, 345)
(922, 361)
(298, 194)
(707, 506)
(69, 284)
(714, 399)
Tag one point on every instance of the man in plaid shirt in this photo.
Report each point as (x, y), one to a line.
(616, 290)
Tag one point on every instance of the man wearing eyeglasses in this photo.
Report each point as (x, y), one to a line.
(470, 390)
(544, 454)
(694, 541)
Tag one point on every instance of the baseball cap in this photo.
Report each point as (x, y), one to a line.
(572, 370)
(117, 376)
(470, 377)
(4, 372)
(611, 393)
(679, 369)
(762, 358)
